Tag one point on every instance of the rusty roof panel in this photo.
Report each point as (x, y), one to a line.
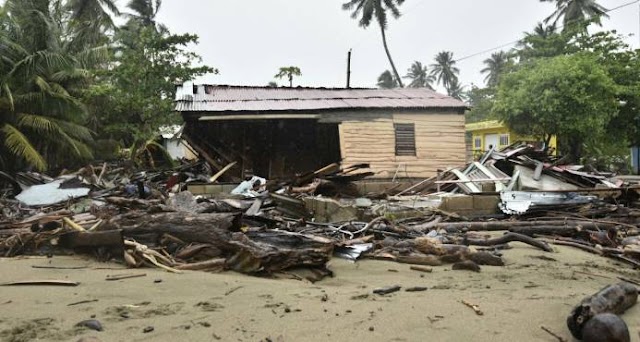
(256, 99)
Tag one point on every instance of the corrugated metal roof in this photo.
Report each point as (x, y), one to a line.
(261, 99)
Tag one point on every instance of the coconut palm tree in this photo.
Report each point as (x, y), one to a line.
(145, 11)
(444, 69)
(543, 31)
(94, 10)
(41, 79)
(91, 19)
(368, 10)
(571, 11)
(387, 81)
(456, 90)
(289, 72)
(495, 66)
(419, 76)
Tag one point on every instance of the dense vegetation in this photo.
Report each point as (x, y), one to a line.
(72, 83)
(81, 79)
(559, 80)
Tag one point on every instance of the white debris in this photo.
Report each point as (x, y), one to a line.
(50, 193)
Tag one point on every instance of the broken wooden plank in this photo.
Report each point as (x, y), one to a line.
(221, 172)
(474, 307)
(466, 181)
(125, 276)
(498, 183)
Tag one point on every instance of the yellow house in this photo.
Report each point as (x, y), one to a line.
(487, 134)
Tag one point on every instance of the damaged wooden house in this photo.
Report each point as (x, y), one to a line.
(275, 132)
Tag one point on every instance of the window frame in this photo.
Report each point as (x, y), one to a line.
(477, 142)
(405, 139)
(507, 138)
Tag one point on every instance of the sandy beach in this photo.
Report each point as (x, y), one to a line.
(534, 289)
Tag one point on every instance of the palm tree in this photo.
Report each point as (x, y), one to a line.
(495, 66)
(93, 10)
(419, 76)
(289, 72)
(572, 11)
(444, 69)
(366, 10)
(543, 31)
(91, 19)
(456, 90)
(145, 11)
(42, 121)
(387, 81)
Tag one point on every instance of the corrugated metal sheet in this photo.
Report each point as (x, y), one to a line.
(237, 99)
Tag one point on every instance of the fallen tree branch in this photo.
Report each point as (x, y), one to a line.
(589, 249)
(509, 237)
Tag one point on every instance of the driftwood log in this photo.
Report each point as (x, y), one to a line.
(271, 251)
(561, 225)
(250, 252)
(615, 298)
(509, 237)
(76, 239)
(215, 229)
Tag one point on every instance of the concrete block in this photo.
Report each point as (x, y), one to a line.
(457, 203)
(329, 210)
(486, 202)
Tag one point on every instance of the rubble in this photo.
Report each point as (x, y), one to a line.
(146, 218)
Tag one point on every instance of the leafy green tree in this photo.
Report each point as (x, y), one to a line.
(140, 86)
(368, 10)
(42, 79)
(572, 11)
(288, 72)
(444, 69)
(495, 66)
(419, 76)
(481, 102)
(622, 64)
(572, 97)
(546, 41)
(272, 84)
(387, 81)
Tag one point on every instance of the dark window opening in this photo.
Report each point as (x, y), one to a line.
(405, 139)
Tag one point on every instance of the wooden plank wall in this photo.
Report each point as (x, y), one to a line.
(440, 143)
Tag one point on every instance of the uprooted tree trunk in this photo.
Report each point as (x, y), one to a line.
(615, 298)
(145, 228)
(254, 251)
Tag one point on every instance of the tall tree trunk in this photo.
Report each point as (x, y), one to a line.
(386, 49)
(290, 80)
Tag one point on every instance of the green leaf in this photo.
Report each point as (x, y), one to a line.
(18, 144)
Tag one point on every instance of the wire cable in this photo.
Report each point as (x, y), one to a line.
(517, 41)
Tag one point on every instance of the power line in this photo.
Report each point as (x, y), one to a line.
(517, 41)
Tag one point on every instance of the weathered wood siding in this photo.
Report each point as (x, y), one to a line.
(440, 143)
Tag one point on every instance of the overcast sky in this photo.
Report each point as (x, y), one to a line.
(248, 40)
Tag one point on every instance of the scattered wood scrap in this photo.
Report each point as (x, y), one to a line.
(474, 307)
(41, 283)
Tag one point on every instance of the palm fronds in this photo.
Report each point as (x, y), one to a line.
(18, 145)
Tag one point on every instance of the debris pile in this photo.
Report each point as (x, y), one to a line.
(267, 227)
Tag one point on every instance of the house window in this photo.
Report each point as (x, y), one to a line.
(405, 139)
(504, 139)
(477, 143)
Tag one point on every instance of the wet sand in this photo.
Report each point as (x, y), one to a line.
(535, 289)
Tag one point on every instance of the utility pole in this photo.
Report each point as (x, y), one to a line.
(349, 69)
